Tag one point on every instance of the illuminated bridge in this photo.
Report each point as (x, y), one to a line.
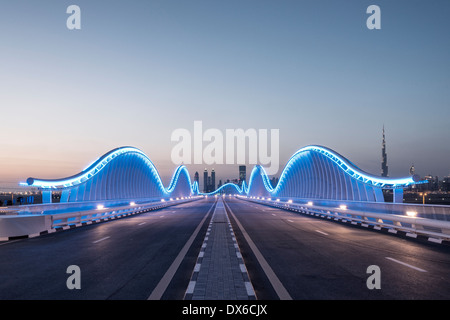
(123, 173)
(316, 172)
(313, 172)
(312, 236)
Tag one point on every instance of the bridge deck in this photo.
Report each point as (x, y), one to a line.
(220, 272)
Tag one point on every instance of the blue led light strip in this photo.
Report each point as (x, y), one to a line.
(344, 165)
(97, 166)
(354, 171)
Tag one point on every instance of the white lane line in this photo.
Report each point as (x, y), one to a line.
(406, 264)
(290, 220)
(281, 291)
(165, 280)
(324, 233)
(140, 224)
(12, 241)
(96, 241)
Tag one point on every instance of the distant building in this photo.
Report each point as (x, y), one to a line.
(384, 166)
(242, 174)
(412, 170)
(205, 180)
(209, 182)
(445, 184)
(274, 182)
(433, 183)
(196, 177)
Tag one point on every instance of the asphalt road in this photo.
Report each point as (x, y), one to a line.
(134, 258)
(314, 258)
(118, 259)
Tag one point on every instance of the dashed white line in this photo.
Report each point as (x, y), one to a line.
(406, 264)
(12, 241)
(140, 224)
(96, 241)
(321, 232)
(191, 287)
(249, 288)
(167, 278)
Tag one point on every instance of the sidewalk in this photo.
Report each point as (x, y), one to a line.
(220, 272)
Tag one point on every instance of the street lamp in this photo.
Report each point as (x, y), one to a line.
(423, 194)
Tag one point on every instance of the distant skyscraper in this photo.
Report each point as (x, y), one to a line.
(209, 182)
(412, 170)
(196, 177)
(242, 174)
(384, 166)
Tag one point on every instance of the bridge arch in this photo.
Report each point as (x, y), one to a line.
(313, 172)
(122, 173)
(317, 172)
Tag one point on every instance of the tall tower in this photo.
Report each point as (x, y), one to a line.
(213, 180)
(384, 166)
(205, 180)
(242, 174)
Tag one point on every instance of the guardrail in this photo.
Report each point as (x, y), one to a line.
(408, 223)
(102, 214)
(35, 224)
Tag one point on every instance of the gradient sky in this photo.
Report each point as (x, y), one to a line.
(138, 70)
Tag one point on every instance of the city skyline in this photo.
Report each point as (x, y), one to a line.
(134, 73)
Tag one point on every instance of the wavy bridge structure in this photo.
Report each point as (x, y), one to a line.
(122, 173)
(317, 172)
(313, 172)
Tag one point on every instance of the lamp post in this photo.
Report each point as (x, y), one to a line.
(423, 194)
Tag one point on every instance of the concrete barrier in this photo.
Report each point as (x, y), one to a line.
(23, 225)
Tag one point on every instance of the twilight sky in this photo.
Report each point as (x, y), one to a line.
(138, 70)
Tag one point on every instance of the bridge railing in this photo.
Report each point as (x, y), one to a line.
(407, 222)
(33, 224)
(101, 213)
